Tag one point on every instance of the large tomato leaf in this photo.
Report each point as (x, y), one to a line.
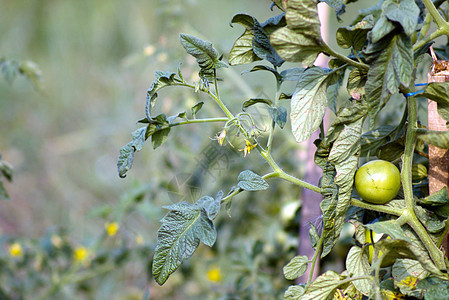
(300, 40)
(182, 230)
(391, 61)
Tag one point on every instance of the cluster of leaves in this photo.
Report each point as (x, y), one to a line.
(387, 43)
(11, 68)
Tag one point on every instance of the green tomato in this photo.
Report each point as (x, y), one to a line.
(377, 181)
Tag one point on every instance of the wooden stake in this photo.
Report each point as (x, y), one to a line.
(438, 158)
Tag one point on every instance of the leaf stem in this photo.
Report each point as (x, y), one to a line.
(208, 120)
(347, 60)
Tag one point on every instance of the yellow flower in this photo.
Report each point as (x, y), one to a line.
(15, 249)
(214, 274)
(111, 228)
(220, 138)
(248, 147)
(139, 239)
(80, 254)
(390, 295)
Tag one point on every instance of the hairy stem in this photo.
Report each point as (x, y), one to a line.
(208, 120)
(435, 14)
(406, 177)
(378, 208)
(273, 123)
(315, 259)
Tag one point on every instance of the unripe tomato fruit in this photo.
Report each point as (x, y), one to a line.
(377, 181)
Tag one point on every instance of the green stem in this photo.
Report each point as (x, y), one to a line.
(281, 174)
(378, 208)
(406, 176)
(347, 60)
(315, 259)
(431, 37)
(435, 14)
(218, 100)
(425, 27)
(209, 120)
(273, 123)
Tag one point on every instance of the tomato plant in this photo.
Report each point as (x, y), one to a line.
(377, 181)
(389, 45)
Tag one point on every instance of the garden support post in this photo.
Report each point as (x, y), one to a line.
(438, 158)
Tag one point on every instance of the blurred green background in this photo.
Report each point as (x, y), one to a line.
(98, 58)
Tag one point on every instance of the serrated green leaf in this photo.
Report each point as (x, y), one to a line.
(405, 12)
(357, 264)
(323, 286)
(430, 220)
(292, 74)
(196, 108)
(162, 80)
(300, 40)
(182, 115)
(381, 29)
(211, 205)
(309, 103)
(333, 92)
(438, 198)
(436, 138)
(313, 234)
(278, 115)
(250, 181)
(138, 138)
(242, 50)
(182, 229)
(356, 35)
(356, 82)
(253, 101)
(371, 140)
(262, 46)
(294, 292)
(264, 68)
(273, 23)
(399, 248)
(438, 292)
(159, 137)
(125, 159)
(294, 46)
(206, 55)
(439, 92)
(296, 267)
(391, 151)
(392, 66)
(405, 270)
(392, 228)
